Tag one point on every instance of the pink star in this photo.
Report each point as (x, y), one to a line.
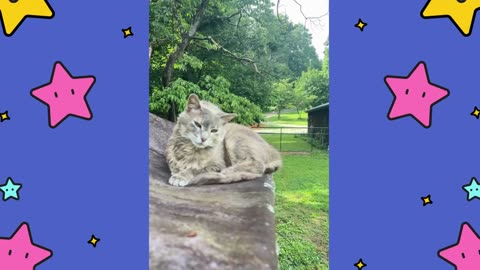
(465, 254)
(65, 95)
(19, 253)
(414, 95)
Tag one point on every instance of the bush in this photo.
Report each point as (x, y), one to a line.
(215, 90)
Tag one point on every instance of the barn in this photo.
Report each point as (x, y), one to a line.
(318, 123)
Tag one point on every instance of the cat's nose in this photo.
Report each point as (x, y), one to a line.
(203, 139)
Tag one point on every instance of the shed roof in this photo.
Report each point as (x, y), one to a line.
(319, 107)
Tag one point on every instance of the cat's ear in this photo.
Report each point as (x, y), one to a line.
(227, 117)
(193, 103)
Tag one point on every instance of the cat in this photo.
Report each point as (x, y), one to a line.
(205, 148)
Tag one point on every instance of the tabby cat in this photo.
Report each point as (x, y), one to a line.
(205, 148)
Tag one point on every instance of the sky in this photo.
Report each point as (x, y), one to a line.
(311, 8)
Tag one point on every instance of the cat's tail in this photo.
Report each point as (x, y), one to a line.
(273, 166)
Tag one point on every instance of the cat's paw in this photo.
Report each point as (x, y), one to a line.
(178, 181)
(214, 169)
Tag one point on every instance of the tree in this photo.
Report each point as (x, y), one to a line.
(180, 48)
(315, 82)
(282, 96)
(301, 100)
(325, 63)
(241, 41)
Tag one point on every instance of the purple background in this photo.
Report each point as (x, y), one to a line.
(380, 168)
(83, 177)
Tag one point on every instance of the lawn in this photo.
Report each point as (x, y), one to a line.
(290, 118)
(290, 142)
(302, 211)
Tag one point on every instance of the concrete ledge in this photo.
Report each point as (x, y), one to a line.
(207, 227)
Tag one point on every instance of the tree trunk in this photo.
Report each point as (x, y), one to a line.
(299, 115)
(186, 38)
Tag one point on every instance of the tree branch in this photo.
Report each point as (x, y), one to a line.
(186, 38)
(278, 4)
(228, 53)
(173, 57)
(219, 19)
(307, 18)
(238, 23)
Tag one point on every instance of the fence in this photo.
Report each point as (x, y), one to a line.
(295, 139)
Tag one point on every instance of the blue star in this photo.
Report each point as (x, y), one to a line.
(10, 190)
(473, 189)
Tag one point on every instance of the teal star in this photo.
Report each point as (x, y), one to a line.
(473, 189)
(10, 189)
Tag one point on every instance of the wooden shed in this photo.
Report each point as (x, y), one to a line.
(318, 123)
(318, 116)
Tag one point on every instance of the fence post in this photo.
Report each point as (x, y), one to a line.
(280, 139)
(311, 139)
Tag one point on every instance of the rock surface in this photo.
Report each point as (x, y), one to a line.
(230, 226)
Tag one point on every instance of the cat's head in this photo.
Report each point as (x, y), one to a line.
(203, 123)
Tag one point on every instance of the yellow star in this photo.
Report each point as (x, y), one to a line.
(360, 25)
(4, 116)
(427, 200)
(476, 112)
(127, 32)
(461, 12)
(360, 264)
(15, 11)
(93, 241)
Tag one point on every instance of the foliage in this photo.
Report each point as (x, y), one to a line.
(241, 41)
(313, 83)
(301, 100)
(209, 89)
(282, 96)
(326, 64)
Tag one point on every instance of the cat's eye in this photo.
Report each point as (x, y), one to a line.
(214, 130)
(197, 124)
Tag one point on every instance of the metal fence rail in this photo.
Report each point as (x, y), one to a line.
(295, 139)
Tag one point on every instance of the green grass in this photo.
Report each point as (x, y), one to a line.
(289, 119)
(302, 211)
(290, 142)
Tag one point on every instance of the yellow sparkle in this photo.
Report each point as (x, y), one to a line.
(360, 264)
(360, 24)
(4, 116)
(426, 200)
(127, 32)
(476, 112)
(93, 241)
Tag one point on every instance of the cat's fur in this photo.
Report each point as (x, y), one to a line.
(229, 152)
